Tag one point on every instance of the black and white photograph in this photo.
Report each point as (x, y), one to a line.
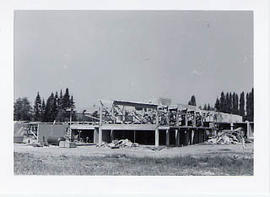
(135, 98)
(133, 93)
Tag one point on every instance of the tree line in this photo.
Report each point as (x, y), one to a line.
(56, 108)
(231, 102)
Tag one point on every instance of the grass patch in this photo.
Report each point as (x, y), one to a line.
(121, 164)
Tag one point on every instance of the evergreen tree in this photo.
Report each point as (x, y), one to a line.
(205, 107)
(43, 106)
(54, 108)
(22, 109)
(230, 105)
(60, 101)
(72, 104)
(49, 109)
(37, 108)
(208, 107)
(222, 102)
(235, 103)
(247, 107)
(217, 105)
(192, 101)
(227, 103)
(242, 104)
(252, 105)
(57, 100)
(66, 100)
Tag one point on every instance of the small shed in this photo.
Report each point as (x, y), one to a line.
(51, 132)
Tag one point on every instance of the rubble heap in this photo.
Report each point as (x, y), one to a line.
(229, 137)
(123, 143)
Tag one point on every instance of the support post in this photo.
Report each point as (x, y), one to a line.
(248, 129)
(156, 130)
(167, 137)
(156, 137)
(96, 134)
(192, 137)
(111, 135)
(177, 137)
(99, 136)
(231, 126)
(100, 124)
(134, 136)
(177, 117)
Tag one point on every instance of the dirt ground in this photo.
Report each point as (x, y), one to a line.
(198, 160)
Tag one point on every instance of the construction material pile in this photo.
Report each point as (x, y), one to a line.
(115, 144)
(228, 137)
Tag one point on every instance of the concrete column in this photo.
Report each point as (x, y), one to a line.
(231, 126)
(100, 124)
(99, 136)
(111, 135)
(134, 136)
(248, 129)
(156, 130)
(156, 137)
(177, 137)
(167, 137)
(96, 135)
(192, 137)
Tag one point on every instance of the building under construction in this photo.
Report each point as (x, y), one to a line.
(144, 123)
(155, 124)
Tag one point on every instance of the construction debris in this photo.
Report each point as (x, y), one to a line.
(115, 144)
(67, 144)
(229, 137)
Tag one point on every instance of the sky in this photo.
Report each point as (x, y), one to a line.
(133, 55)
